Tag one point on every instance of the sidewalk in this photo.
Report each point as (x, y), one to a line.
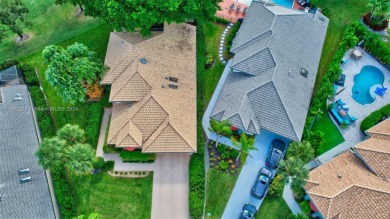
(288, 196)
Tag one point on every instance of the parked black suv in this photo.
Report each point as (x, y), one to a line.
(248, 211)
(275, 154)
(261, 184)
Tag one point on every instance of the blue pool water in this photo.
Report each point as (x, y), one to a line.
(367, 77)
(286, 3)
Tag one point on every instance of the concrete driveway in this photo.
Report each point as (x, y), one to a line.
(241, 191)
(170, 186)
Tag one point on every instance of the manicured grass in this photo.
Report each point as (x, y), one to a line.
(52, 24)
(96, 39)
(213, 33)
(219, 188)
(113, 197)
(273, 208)
(341, 14)
(332, 135)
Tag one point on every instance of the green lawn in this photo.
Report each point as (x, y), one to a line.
(219, 188)
(340, 14)
(213, 33)
(113, 197)
(273, 208)
(52, 24)
(332, 135)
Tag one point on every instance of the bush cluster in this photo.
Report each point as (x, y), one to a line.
(63, 193)
(227, 152)
(136, 156)
(8, 63)
(221, 20)
(231, 35)
(351, 36)
(29, 74)
(276, 187)
(375, 117)
(196, 167)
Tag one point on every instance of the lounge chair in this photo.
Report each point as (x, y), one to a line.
(231, 7)
(353, 118)
(245, 10)
(345, 107)
(380, 90)
(340, 102)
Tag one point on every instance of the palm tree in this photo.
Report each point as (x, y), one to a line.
(317, 115)
(293, 171)
(220, 128)
(301, 151)
(80, 158)
(50, 152)
(246, 144)
(72, 134)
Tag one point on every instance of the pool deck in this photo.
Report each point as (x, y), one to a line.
(352, 133)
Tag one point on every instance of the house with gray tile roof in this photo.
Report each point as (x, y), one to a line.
(277, 51)
(18, 143)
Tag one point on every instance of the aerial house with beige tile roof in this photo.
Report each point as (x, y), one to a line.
(356, 183)
(153, 90)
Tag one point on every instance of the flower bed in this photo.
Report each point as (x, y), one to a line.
(224, 158)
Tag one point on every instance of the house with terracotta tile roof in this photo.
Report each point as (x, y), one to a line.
(356, 183)
(153, 90)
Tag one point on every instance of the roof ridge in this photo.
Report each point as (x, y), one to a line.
(250, 56)
(120, 64)
(320, 195)
(284, 108)
(125, 69)
(260, 34)
(156, 133)
(369, 149)
(379, 133)
(128, 81)
(369, 188)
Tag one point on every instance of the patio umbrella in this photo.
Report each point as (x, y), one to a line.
(357, 53)
(130, 149)
(313, 207)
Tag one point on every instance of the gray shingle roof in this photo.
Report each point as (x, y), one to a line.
(18, 143)
(264, 86)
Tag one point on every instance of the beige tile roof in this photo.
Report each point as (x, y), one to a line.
(165, 117)
(346, 188)
(381, 130)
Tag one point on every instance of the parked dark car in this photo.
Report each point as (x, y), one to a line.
(248, 211)
(275, 154)
(261, 184)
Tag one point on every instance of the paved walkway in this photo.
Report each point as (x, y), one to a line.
(288, 196)
(170, 186)
(170, 180)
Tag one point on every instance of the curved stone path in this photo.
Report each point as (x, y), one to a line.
(222, 42)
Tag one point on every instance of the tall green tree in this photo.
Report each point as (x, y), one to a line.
(245, 145)
(66, 150)
(73, 2)
(70, 70)
(220, 128)
(13, 16)
(301, 150)
(143, 14)
(72, 134)
(293, 171)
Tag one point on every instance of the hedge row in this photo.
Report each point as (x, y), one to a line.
(351, 37)
(375, 117)
(8, 63)
(231, 35)
(197, 171)
(92, 126)
(136, 156)
(30, 76)
(63, 193)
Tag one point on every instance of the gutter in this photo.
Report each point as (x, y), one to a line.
(358, 155)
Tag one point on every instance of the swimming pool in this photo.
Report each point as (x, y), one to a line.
(367, 77)
(286, 3)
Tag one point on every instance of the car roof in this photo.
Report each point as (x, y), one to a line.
(279, 144)
(266, 172)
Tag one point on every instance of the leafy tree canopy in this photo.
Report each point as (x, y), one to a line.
(301, 150)
(70, 70)
(71, 134)
(73, 2)
(13, 15)
(143, 14)
(293, 170)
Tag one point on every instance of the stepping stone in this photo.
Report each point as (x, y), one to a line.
(224, 62)
(229, 27)
(221, 48)
(222, 41)
(223, 38)
(223, 34)
(231, 24)
(221, 44)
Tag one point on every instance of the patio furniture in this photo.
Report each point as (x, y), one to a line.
(380, 90)
(231, 7)
(245, 10)
(356, 53)
(353, 118)
(340, 102)
(238, 8)
(341, 80)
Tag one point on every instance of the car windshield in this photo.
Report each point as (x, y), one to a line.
(264, 179)
(248, 214)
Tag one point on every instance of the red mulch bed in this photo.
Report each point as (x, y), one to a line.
(367, 21)
(224, 158)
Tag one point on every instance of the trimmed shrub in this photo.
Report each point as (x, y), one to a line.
(63, 193)
(375, 117)
(223, 165)
(99, 163)
(92, 126)
(136, 156)
(232, 34)
(196, 166)
(8, 63)
(305, 207)
(109, 165)
(29, 74)
(276, 187)
(221, 20)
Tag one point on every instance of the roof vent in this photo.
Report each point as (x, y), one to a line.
(17, 97)
(24, 171)
(25, 179)
(173, 79)
(340, 176)
(173, 86)
(163, 86)
(143, 60)
(2, 196)
(304, 72)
